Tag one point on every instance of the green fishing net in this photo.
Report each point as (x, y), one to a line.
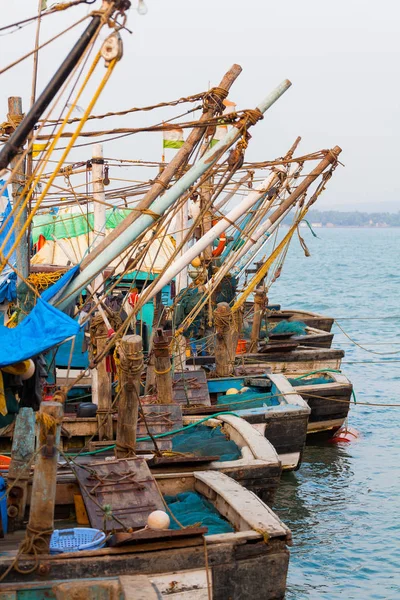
(289, 327)
(191, 509)
(206, 441)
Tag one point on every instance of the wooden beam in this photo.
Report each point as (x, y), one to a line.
(131, 365)
(22, 451)
(223, 340)
(163, 367)
(41, 515)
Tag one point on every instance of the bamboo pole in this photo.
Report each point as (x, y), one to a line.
(43, 499)
(162, 368)
(131, 365)
(224, 359)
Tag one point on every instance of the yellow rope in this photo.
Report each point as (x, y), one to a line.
(163, 372)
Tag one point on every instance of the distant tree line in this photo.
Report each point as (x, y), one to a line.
(353, 218)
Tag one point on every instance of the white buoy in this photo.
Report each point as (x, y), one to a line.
(244, 389)
(158, 519)
(232, 391)
(29, 372)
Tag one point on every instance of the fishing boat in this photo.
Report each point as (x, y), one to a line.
(327, 393)
(243, 551)
(279, 413)
(226, 444)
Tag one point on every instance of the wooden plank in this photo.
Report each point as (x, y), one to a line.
(126, 486)
(124, 539)
(183, 584)
(284, 387)
(190, 388)
(246, 506)
(260, 447)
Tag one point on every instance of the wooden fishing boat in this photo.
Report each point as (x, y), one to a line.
(311, 319)
(282, 419)
(249, 560)
(239, 451)
(258, 467)
(328, 395)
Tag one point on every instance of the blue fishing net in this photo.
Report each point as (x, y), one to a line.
(189, 508)
(250, 399)
(206, 441)
(289, 327)
(310, 381)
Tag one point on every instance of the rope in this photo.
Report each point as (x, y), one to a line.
(363, 347)
(163, 372)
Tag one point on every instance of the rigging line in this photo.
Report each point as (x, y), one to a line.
(163, 126)
(120, 136)
(37, 48)
(363, 347)
(50, 11)
(193, 98)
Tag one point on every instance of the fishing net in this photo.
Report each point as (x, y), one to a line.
(311, 381)
(250, 399)
(289, 327)
(206, 441)
(190, 509)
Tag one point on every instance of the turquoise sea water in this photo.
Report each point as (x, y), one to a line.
(343, 506)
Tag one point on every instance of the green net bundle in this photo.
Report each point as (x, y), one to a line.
(191, 509)
(289, 328)
(206, 441)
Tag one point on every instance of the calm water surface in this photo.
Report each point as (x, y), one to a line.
(343, 506)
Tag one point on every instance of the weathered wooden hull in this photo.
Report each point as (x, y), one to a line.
(310, 319)
(329, 403)
(252, 562)
(300, 361)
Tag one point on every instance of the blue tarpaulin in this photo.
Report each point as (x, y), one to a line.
(43, 328)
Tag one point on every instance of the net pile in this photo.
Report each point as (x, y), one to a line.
(190, 509)
(289, 328)
(206, 441)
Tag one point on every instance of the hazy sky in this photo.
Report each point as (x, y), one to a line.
(341, 56)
